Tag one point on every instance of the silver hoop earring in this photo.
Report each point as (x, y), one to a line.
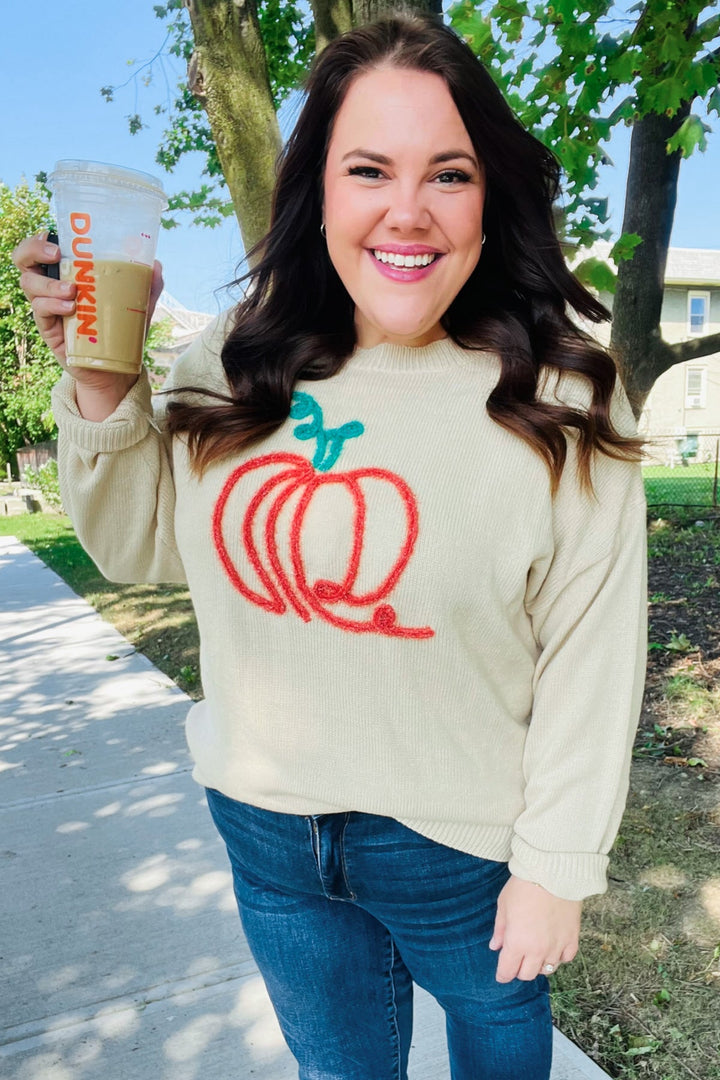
(323, 231)
(484, 238)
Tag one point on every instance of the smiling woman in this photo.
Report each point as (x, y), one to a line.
(403, 489)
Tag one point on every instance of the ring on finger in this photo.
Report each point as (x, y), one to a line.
(549, 968)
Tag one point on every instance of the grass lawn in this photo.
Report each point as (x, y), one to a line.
(683, 485)
(643, 996)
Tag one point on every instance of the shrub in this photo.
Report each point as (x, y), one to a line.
(46, 479)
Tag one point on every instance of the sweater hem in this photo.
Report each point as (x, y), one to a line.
(491, 842)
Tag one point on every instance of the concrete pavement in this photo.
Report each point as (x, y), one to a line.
(120, 948)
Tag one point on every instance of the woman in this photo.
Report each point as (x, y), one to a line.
(403, 488)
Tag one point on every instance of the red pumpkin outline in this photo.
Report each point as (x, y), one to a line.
(392, 578)
(277, 604)
(302, 472)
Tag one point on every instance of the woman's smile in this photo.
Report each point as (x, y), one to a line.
(408, 264)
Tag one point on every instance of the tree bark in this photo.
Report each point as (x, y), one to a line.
(639, 349)
(332, 18)
(365, 11)
(228, 74)
(691, 350)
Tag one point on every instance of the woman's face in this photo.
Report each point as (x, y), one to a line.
(402, 186)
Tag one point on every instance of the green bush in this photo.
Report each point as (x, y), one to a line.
(46, 479)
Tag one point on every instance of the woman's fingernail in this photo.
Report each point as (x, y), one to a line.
(67, 305)
(50, 250)
(65, 287)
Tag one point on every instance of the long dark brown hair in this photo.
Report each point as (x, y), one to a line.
(297, 320)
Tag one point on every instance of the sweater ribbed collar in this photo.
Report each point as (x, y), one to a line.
(437, 356)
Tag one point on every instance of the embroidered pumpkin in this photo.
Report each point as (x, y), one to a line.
(298, 477)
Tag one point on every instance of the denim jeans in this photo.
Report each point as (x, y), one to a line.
(343, 911)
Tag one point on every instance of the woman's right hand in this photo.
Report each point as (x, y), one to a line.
(50, 299)
(98, 393)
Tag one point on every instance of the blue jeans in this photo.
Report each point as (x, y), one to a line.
(343, 911)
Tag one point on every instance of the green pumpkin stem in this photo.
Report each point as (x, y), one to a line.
(329, 442)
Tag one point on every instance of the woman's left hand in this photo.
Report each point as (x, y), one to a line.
(534, 931)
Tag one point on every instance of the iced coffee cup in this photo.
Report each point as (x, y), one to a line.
(108, 219)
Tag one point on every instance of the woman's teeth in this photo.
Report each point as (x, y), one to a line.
(404, 261)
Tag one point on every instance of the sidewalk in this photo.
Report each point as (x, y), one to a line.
(121, 949)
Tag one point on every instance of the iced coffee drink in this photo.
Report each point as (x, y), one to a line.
(108, 219)
(108, 327)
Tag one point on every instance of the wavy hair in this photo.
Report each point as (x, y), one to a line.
(297, 320)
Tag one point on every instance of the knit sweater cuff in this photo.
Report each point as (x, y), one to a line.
(570, 875)
(122, 429)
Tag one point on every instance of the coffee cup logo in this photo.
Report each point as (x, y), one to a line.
(86, 307)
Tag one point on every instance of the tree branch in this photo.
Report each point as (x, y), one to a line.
(332, 17)
(692, 350)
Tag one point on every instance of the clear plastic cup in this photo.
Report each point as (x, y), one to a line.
(108, 219)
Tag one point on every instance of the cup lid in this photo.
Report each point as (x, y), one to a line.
(93, 172)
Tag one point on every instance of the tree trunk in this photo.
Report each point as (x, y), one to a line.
(650, 200)
(365, 11)
(228, 74)
(332, 18)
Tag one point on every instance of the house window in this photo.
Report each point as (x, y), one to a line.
(698, 312)
(695, 388)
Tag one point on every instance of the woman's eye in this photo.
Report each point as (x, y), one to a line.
(453, 176)
(368, 172)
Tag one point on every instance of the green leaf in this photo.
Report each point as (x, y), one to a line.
(670, 48)
(597, 274)
(689, 136)
(624, 249)
(623, 67)
(135, 124)
(642, 1044)
(472, 27)
(680, 643)
(661, 95)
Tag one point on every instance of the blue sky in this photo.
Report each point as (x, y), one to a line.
(55, 57)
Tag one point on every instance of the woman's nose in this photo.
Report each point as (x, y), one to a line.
(407, 209)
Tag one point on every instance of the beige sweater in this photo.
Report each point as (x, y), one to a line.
(395, 616)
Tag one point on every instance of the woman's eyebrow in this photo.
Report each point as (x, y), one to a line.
(451, 155)
(436, 159)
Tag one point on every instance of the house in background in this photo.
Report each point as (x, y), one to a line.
(685, 401)
(682, 410)
(184, 328)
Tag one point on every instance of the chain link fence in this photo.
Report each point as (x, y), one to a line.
(682, 469)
